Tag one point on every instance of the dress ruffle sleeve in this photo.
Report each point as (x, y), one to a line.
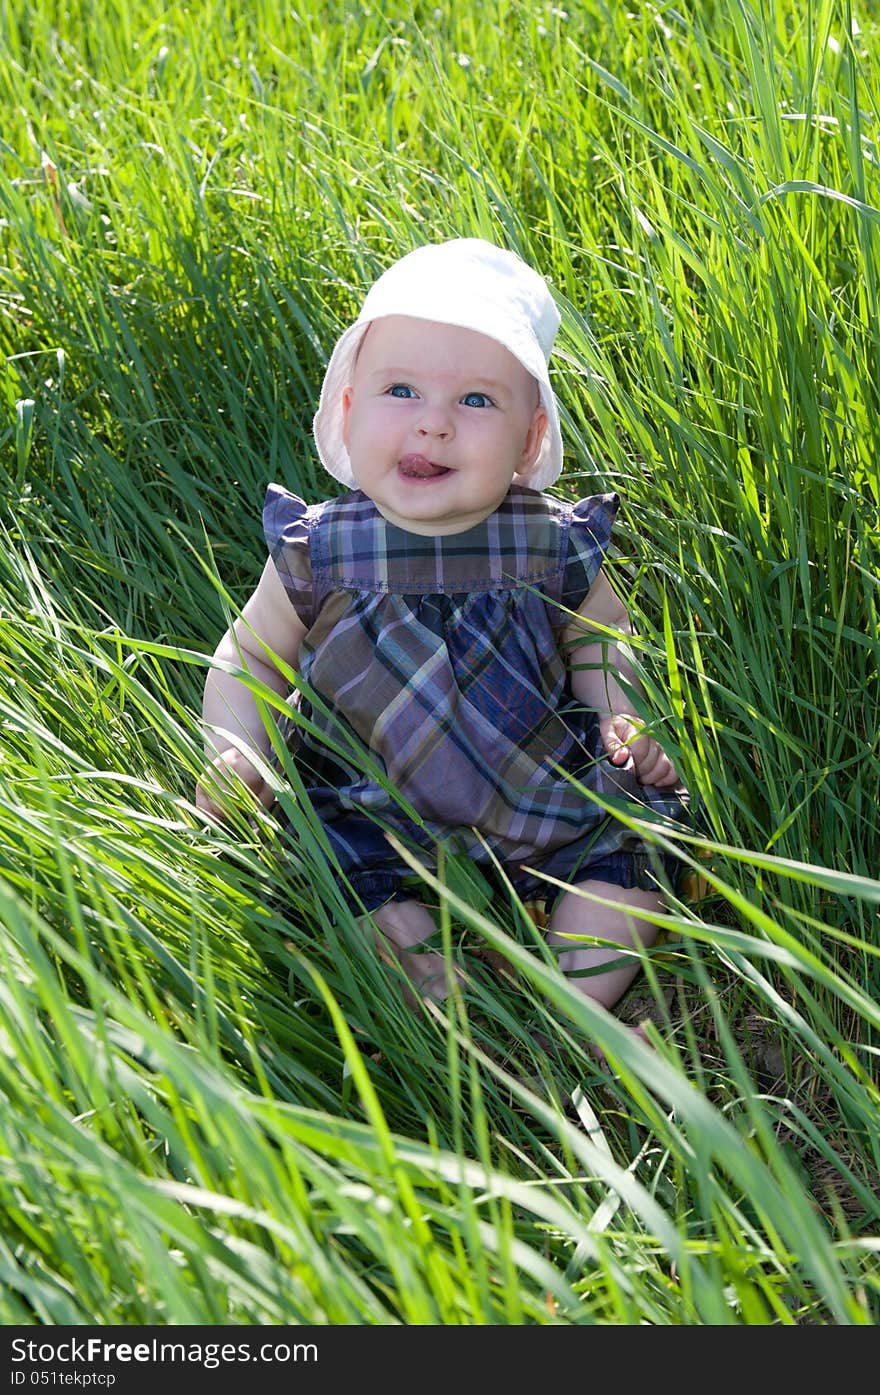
(286, 530)
(589, 535)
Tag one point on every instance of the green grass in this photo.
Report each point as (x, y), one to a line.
(218, 1112)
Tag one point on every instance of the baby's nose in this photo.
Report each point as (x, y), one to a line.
(435, 421)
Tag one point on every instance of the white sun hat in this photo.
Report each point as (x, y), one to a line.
(466, 282)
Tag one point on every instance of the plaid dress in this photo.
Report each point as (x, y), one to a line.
(434, 663)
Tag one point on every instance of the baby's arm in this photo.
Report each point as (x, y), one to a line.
(598, 662)
(228, 706)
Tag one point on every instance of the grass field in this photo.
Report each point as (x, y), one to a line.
(213, 1112)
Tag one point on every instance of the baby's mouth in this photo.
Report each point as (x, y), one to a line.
(418, 467)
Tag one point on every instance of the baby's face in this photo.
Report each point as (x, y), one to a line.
(438, 421)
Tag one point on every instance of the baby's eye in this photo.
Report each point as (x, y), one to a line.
(476, 399)
(400, 390)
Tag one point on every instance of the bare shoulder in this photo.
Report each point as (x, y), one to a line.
(601, 607)
(269, 618)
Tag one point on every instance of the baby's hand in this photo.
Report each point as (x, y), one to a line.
(624, 735)
(227, 770)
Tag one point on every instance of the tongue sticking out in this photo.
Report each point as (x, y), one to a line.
(418, 467)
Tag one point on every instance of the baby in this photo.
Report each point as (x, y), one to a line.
(454, 630)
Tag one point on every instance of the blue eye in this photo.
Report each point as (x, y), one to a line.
(476, 399)
(400, 390)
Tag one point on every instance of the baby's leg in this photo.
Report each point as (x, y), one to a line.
(621, 922)
(404, 926)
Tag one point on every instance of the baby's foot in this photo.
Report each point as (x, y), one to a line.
(403, 931)
(426, 971)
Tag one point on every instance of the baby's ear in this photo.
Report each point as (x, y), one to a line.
(534, 437)
(345, 403)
